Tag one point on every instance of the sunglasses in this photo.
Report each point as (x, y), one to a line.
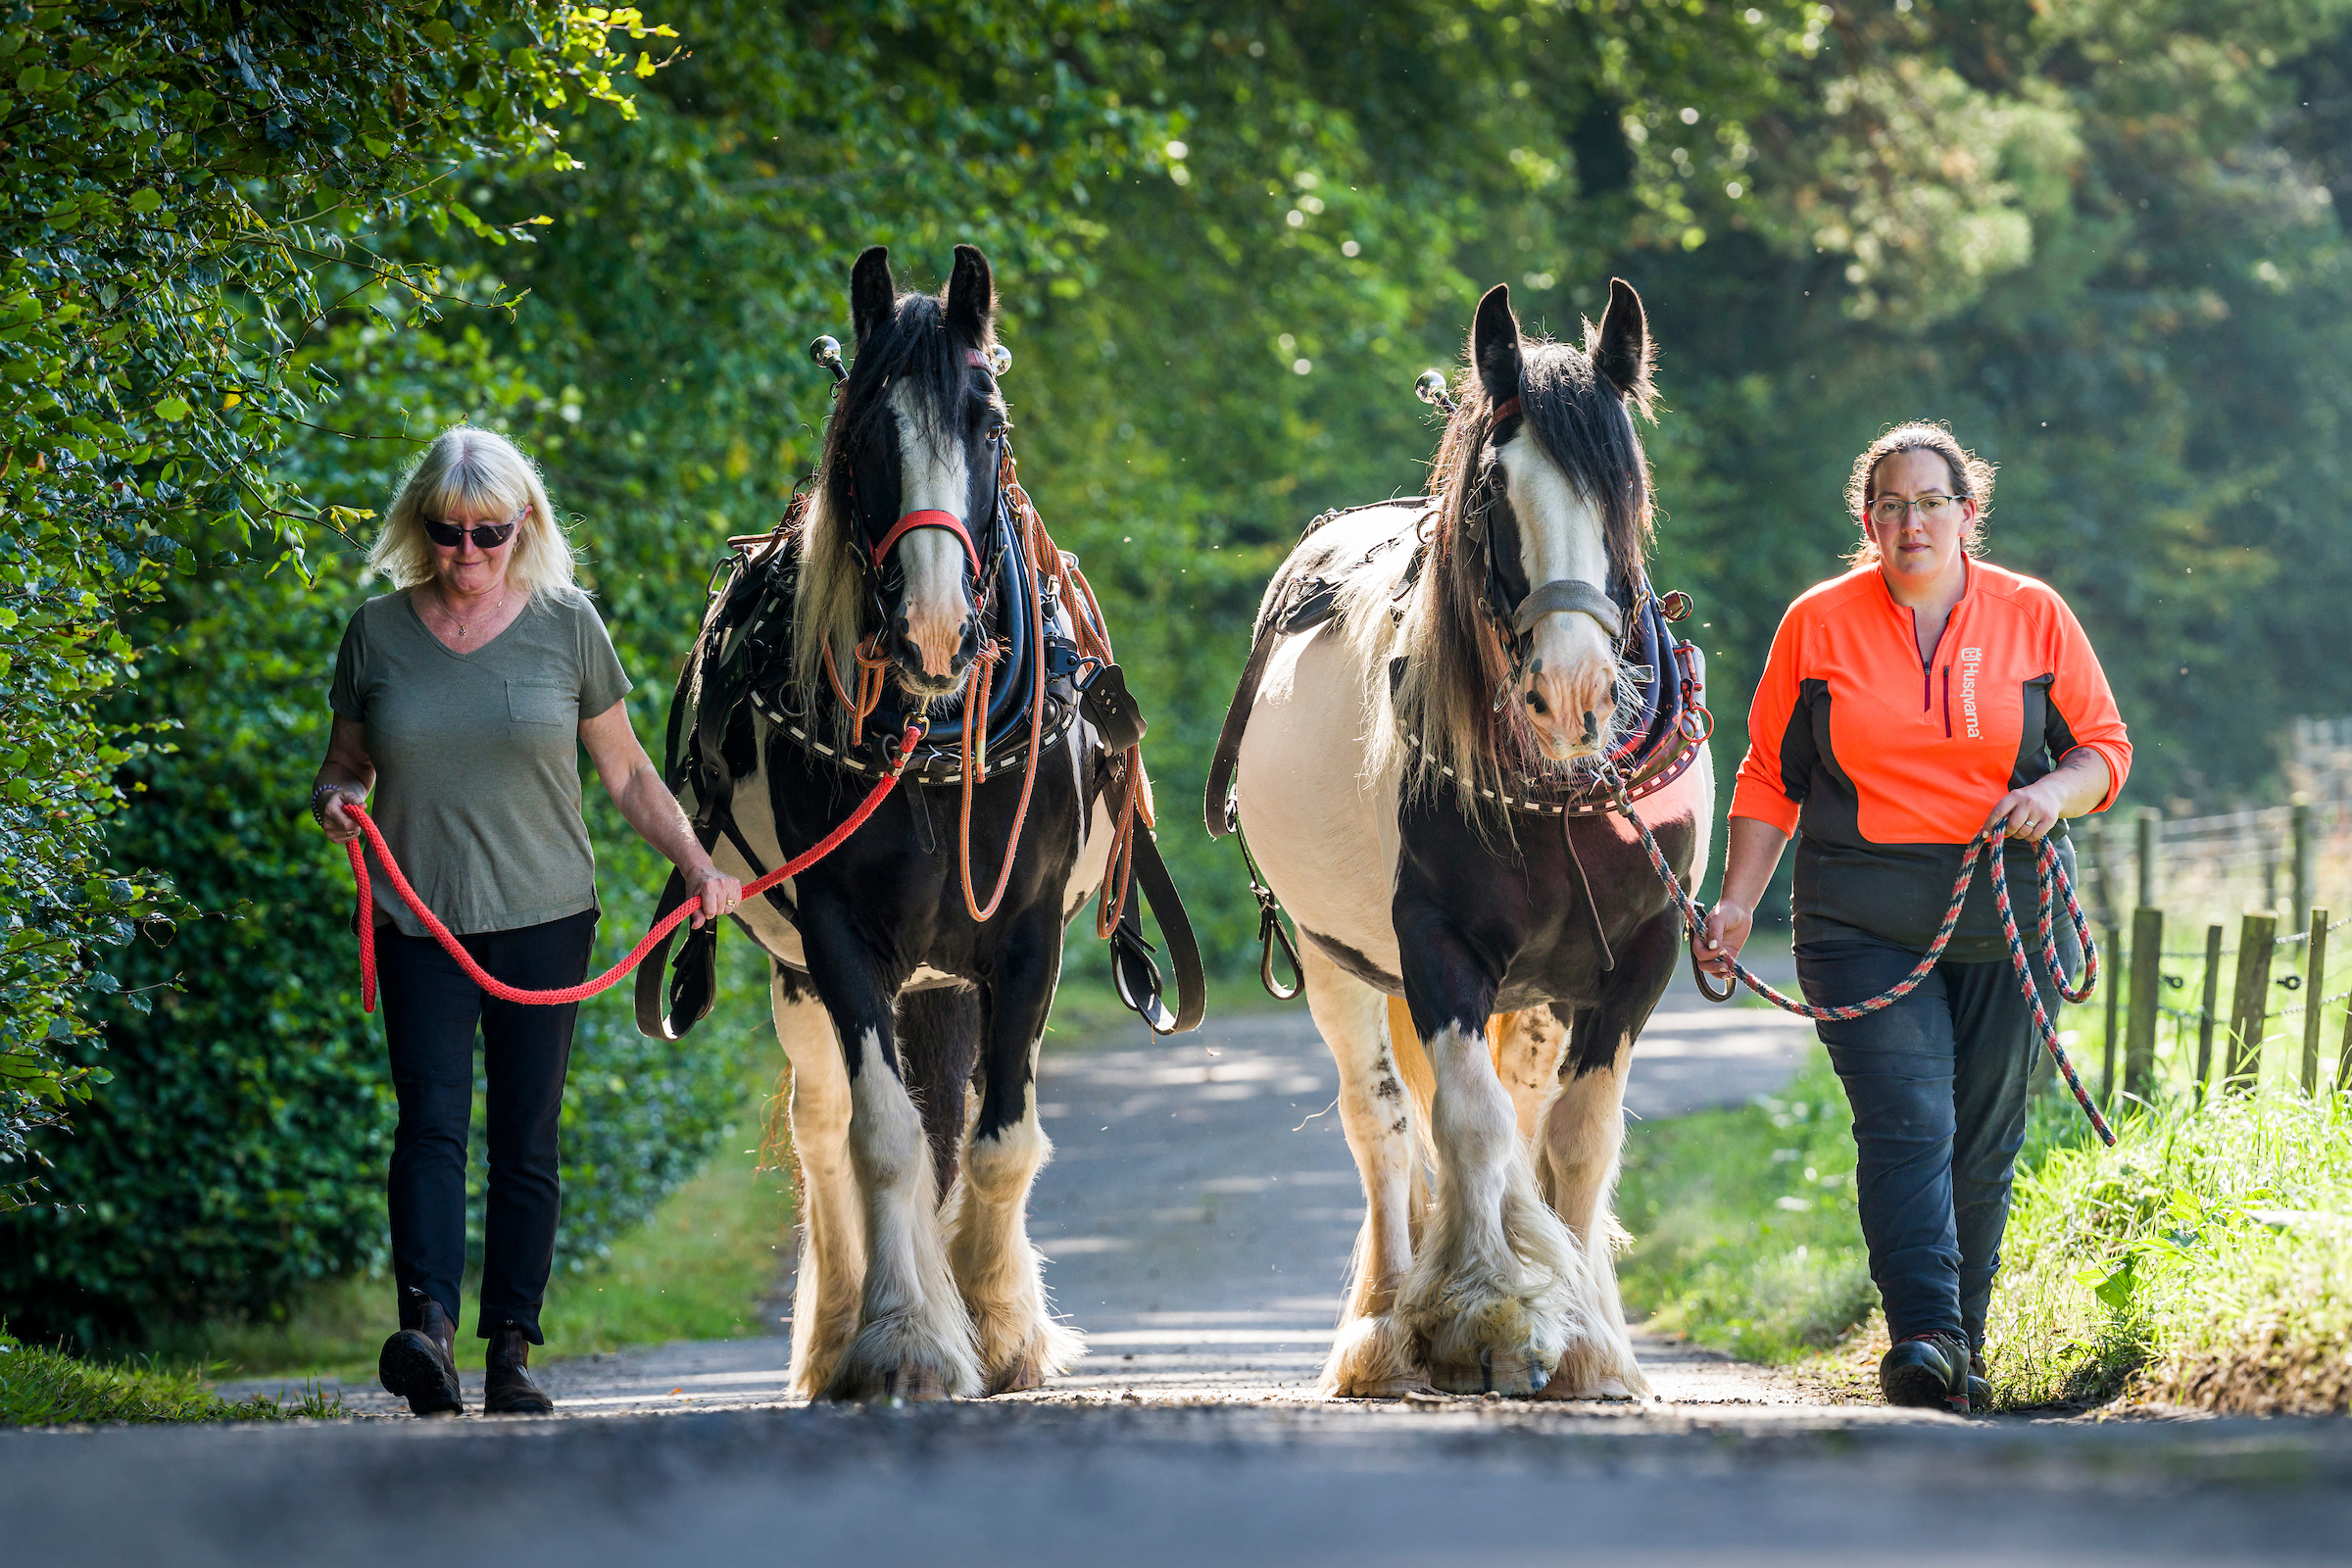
(485, 536)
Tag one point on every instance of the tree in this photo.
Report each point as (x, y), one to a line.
(173, 173)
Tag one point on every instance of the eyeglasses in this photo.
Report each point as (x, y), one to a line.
(1888, 511)
(485, 536)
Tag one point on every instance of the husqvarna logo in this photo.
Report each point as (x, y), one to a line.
(1971, 661)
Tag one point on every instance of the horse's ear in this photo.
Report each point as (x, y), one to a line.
(872, 293)
(971, 301)
(1621, 350)
(1495, 344)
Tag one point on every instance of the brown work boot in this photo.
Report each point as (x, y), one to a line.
(418, 1364)
(507, 1386)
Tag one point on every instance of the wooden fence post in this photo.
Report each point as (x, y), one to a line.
(2117, 971)
(2343, 1059)
(2305, 892)
(2206, 1015)
(2147, 992)
(2250, 998)
(2149, 819)
(2315, 986)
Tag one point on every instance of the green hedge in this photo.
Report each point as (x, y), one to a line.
(239, 1152)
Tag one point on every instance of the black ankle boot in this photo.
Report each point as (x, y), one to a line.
(1979, 1389)
(418, 1364)
(507, 1386)
(1927, 1371)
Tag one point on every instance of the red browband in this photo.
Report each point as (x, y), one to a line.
(1507, 408)
(928, 518)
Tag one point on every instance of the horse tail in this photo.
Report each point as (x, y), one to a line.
(939, 1042)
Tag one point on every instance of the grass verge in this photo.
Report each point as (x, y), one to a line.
(2205, 1260)
(41, 1387)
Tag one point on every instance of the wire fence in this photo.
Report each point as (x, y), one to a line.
(2211, 870)
(2216, 913)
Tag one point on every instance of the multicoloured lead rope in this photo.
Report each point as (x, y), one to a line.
(2050, 878)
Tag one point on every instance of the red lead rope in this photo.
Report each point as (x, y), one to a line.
(611, 977)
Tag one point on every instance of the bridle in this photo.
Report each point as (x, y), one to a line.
(1514, 619)
(980, 569)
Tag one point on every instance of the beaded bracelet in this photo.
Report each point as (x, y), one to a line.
(318, 800)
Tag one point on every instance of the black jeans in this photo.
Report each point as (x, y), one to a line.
(1939, 1083)
(431, 1015)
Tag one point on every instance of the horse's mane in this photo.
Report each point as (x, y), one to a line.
(913, 346)
(1453, 660)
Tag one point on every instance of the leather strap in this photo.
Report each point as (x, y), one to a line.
(1228, 755)
(1568, 594)
(652, 1012)
(1184, 951)
(929, 519)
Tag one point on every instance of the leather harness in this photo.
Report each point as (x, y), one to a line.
(1663, 743)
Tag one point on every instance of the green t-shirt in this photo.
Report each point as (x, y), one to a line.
(477, 776)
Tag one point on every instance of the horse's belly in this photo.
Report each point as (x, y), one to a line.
(1325, 836)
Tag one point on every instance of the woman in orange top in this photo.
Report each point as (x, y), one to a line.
(1906, 706)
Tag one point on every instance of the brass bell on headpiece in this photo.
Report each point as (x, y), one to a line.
(1000, 358)
(1431, 390)
(826, 351)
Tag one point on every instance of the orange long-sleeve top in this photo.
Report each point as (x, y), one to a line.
(1886, 766)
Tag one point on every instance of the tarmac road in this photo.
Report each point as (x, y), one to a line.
(1199, 1214)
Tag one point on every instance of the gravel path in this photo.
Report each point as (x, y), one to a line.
(1199, 1215)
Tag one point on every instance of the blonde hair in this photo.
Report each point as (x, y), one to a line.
(467, 465)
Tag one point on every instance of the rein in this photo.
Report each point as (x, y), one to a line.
(653, 936)
(2050, 879)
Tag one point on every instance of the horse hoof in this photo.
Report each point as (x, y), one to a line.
(1018, 1378)
(1610, 1389)
(1394, 1388)
(1513, 1372)
(913, 1386)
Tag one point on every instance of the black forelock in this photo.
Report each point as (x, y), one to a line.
(913, 347)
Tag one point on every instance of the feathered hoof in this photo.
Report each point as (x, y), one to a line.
(889, 1361)
(1516, 1372)
(1372, 1358)
(1598, 1368)
(1020, 1377)
(1047, 1351)
(1498, 1342)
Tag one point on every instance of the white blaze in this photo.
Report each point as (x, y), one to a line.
(934, 477)
(1561, 536)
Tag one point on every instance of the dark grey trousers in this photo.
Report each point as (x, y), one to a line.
(1939, 1087)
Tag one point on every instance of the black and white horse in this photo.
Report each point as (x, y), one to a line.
(1403, 778)
(917, 1279)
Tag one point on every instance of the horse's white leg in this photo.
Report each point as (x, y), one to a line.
(1372, 1357)
(995, 1265)
(997, 1269)
(832, 1262)
(1499, 1294)
(914, 1339)
(1582, 1132)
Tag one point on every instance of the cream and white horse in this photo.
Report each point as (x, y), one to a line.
(1481, 970)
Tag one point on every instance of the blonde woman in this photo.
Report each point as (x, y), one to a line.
(460, 700)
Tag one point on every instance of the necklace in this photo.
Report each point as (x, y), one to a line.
(465, 630)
